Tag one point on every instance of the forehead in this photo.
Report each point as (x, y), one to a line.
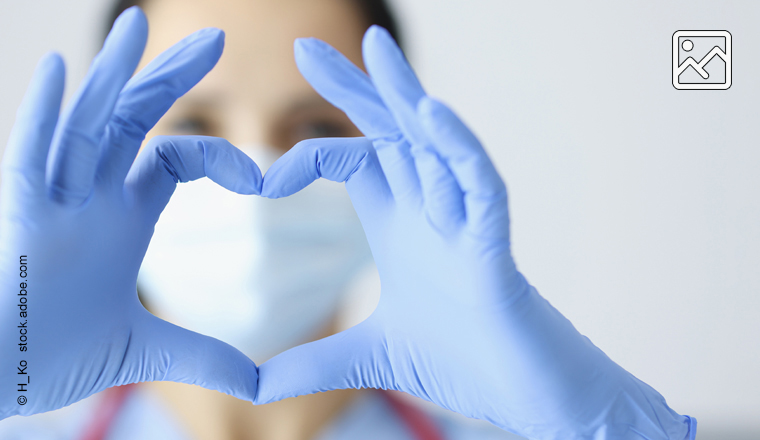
(258, 62)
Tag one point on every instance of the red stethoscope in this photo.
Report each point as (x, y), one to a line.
(419, 424)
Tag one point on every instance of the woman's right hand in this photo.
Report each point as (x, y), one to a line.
(77, 216)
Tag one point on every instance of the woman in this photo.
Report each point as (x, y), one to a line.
(457, 324)
(256, 98)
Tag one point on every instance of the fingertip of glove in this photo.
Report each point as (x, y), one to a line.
(251, 186)
(51, 60)
(303, 46)
(248, 189)
(377, 39)
(300, 44)
(210, 41)
(213, 33)
(132, 14)
(52, 64)
(425, 105)
(430, 109)
(269, 189)
(278, 183)
(376, 31)
(221, 39)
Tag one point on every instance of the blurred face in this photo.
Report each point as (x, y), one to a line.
(255, 95)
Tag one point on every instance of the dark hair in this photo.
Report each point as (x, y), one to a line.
(376, 12)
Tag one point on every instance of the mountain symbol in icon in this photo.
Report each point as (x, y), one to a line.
(699, 67)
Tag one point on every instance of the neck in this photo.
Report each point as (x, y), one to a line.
(212, 415)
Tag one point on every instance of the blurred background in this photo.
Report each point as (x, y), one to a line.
(635, 207)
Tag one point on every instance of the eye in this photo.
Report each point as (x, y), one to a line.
(192, 125)
(320, 129)
(314, 119)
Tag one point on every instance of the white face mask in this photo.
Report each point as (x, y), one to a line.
(262, 275)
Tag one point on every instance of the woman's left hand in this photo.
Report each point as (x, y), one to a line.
(457, 324)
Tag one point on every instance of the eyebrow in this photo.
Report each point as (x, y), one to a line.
(307, 104)
(203, 100)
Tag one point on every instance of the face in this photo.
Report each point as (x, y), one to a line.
(254, 97)
(255, 94)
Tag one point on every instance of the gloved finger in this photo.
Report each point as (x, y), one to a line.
(350, 160)
(75, 151)
(167, 160)
(444, 200)
(149, 94)
(353, 358)
(345, 86)
(161, 351)
(26, 153)
(400, 89)
(485, 195)
(394, 81)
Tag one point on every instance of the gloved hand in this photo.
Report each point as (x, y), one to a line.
(457, 324)
(72, 236)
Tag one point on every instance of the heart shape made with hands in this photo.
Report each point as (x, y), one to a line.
(457, 324)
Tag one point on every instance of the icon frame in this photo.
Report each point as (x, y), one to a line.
(701, 86)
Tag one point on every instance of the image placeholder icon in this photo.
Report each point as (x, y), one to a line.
(702, 60)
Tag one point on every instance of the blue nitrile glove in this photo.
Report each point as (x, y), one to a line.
(457, 324)
(71, 323)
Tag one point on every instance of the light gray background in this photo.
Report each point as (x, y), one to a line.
(635, 207)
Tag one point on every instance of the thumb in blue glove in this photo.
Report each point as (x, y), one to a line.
(77, 215)
(457, 324)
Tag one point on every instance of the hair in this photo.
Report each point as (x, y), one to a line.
(375, 12)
